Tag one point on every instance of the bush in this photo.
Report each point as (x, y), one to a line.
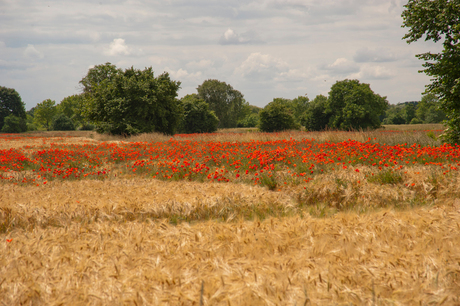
(249, 121)
(85, 126)
(62, 123)
(315, 117)
(197, 118)
(277, 116)
(14, 124)
(416, 121)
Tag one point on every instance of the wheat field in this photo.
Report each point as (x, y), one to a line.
(139, 241)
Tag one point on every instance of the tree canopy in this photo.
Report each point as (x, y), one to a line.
(10, 104)
(277, 116)
(353, 105)
(197, 117)
(227, 102)
(315, 117)
(44, 113)
(439, 20)
(132, 101)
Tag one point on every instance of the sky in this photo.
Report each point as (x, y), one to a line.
(266, 49)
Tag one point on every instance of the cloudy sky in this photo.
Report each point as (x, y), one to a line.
(263, 48)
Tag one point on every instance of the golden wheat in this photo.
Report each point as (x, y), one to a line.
(143, 241)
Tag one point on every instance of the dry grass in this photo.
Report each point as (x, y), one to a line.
(415, 127)
(385, 241)
(383, 258)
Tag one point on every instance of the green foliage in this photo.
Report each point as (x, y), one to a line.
(44, 113)
(197, 118)
(438, 20)
(131, 101)
(227, 103)
(383, 177)
(86, 127)
(14, 124)
(352, 105)
(252, 120)
(62, 123)
(10, 104)
(73, 107)
(299, 106)
(415, 121)
(315, 117)
(277, 116)
(269, 181)
(409, 112)
(31, 126)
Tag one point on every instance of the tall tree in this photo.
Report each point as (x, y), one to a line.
(315, 117)
(439, 20)
(10, 104)
(277, 116)
(132, 101)
(197, 118)
(353, 105)
(299, 106)
(44, 113)
(73, 108)
(224, 100)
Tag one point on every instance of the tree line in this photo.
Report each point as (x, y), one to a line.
(133, 101)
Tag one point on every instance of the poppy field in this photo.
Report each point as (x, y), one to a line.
(230, 218)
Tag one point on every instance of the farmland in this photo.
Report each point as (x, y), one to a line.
(230, 218)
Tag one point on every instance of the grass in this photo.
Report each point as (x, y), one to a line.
(375, 237)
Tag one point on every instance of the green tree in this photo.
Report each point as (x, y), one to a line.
(10, 104)
(251, 120)
(394, 114)
(299, 105)
(352, 105)
(44, 113)
(62, 123)
(277, 116)
(14, 124)
(315, 117)
(227, 102)
(97, 76)
(131, 101)
(197, 117)
(409, 112)
(429, 111)
(73, 108)
(439, 20)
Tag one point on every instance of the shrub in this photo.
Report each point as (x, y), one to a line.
(197, 118)
(249, 121)
(62, 123)
(277, 116)
(415, 121)
(85, 126)
(14, 124)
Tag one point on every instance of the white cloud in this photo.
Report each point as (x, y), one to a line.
(230, 37)
(200, 64)
(341, 66)
(182, 74)
(365, 55)
(369, 72)
(262, 67)
(118, 47)
(32, 53)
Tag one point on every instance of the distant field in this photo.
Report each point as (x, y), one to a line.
(415, 127)
(230, 218)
